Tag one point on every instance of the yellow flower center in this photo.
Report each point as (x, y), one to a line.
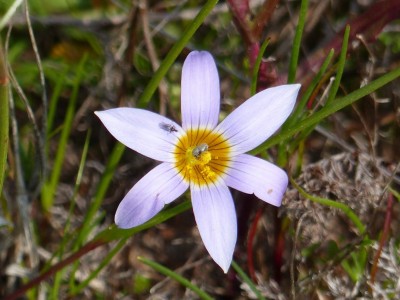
(202, 156)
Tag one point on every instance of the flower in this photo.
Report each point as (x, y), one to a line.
(201, 154)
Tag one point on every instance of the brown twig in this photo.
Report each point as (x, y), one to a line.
(263, 17)
(162, 88)
(129, 54)
(54, 269)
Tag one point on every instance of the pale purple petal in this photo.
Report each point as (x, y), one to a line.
(252, 175)
(215, 216)
(258, 118)
(160, 186)
(148, 133)
(200, 94)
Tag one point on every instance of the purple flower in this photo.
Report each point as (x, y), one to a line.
(201, 154)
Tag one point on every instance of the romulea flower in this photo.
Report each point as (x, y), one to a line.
(201, 154)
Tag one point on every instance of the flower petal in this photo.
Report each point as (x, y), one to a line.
(259, 117)
(200, 93)
(216, 219)
(252, 175)
(148, 133)
(160, 186)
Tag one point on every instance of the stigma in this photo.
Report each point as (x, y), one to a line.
(198, 150)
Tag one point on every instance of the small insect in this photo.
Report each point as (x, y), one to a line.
(168, 127)
(198, 150)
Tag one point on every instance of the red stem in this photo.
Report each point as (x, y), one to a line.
(279, 249)
(252, 234)
(240, 11)
(384, 236)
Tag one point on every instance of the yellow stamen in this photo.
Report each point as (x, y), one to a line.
(202, 156)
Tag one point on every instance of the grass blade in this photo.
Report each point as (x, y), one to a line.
(100, 193)
(4, 117)
(54, 102)
(297, 42)
(299, 110)
(102, 188)
(169, 273)
(341, 64)
(256, 67)
(50, 186)
(247, 280)
(101, 266)
(54, 292)
(297, 114)
(10, 12)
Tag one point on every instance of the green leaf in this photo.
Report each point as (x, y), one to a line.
(355, 265)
